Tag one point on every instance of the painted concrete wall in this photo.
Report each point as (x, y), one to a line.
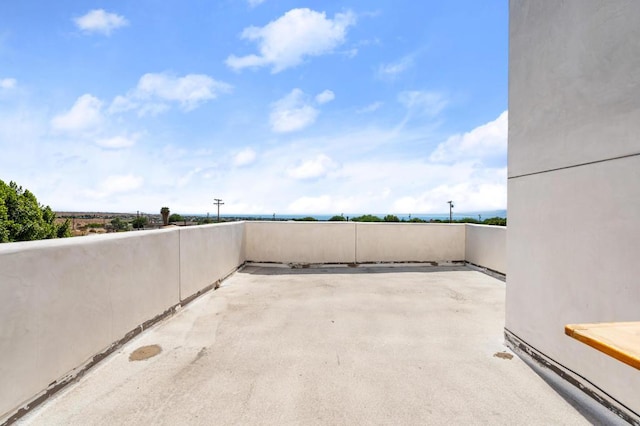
(351, 242)
(300, 242)
(574, 179)
(66, 300)
(487, 246)
(63, 301)
(412, 242)
(209, 253)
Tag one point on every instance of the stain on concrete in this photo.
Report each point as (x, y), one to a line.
(200, 354)
(503, 355)
(145, 352)
(456, 296)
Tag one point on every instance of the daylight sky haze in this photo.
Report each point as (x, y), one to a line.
(323, 107)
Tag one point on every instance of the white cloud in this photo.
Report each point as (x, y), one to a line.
(116, 184)
(85, 114)
(291, 113)
(370, 167)
(314, 168)
(350, 53)
(244, 157)
(420, 102)
(100, 21)
(485, 141)
(325, 96)
(122, 183)
(288, 40)
(122, 104)
(393, 69)
(370, 108)
(8, 83)
(152, 109)
(117, 142)
(190, 90)
(311, 205)
(476, 195)
(154, 90)
(184, 180)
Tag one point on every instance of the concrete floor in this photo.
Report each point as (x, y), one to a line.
(418, 345)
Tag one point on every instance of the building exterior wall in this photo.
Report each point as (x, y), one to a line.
(574, 180)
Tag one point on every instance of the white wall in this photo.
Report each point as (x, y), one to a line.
(409, 242)
(209, 253)
(64, 301)
(574, 180)
(300, 242)
(487, 246)
(353, 242)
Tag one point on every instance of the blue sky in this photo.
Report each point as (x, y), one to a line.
(273, 106)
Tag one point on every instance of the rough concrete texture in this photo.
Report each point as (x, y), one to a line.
(420, 345)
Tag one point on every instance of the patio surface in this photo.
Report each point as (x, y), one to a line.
(366, 345)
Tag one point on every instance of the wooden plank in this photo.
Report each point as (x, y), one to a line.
(620, 340)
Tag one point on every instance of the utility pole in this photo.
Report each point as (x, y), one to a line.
(450, 211)
(218, 202)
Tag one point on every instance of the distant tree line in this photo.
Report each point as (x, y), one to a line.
(498, 221)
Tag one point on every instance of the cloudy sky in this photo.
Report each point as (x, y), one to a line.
(358, 106)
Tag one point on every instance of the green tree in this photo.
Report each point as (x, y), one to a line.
(175, 217)
(391, 218)
(367, 218)
(64, 229)
(500, 221)
(22, 218)
(467, 220)
(139, 222)
(337, 219)
(307, 219)
(119, 224)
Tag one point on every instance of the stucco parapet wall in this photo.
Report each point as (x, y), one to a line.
(486, 246)
(66, 300)
(294, 242)
(409, 242)
(300, 242)
(359, 242)
(208, 253)
(20, 246)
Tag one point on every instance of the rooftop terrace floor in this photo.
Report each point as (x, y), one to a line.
(402, 345)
